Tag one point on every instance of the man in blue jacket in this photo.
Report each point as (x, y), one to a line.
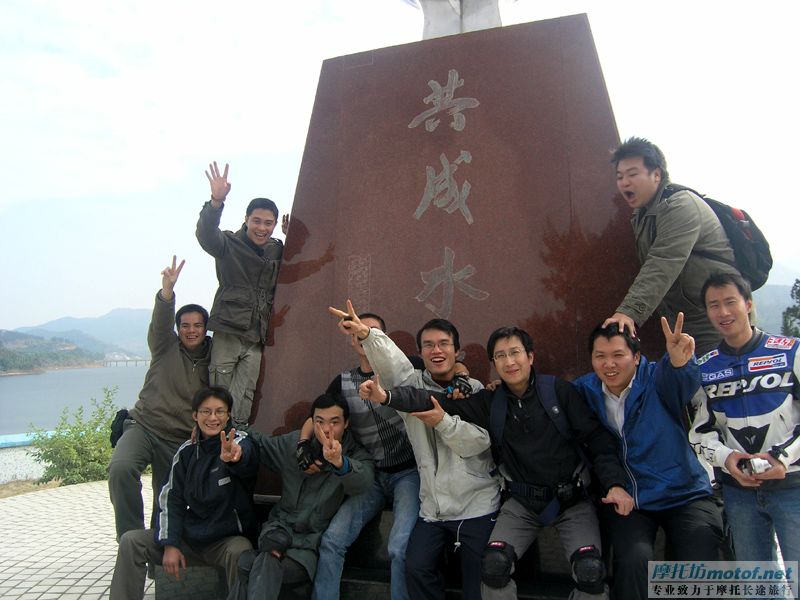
(206, 514)
(641, 403)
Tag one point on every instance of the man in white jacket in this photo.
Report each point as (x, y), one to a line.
(458, 495)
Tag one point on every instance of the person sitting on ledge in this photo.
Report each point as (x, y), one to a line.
(207, 514)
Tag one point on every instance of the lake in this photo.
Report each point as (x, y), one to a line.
(39, 399)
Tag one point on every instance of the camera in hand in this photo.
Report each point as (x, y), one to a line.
(308, 452)
(754, 466)
(462, 384)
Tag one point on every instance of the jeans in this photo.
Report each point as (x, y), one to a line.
(403, 489)
(757, 515)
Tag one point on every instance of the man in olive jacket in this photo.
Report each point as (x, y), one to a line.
(679, 240)
(286, 561)
(161, 420)
(247, 263)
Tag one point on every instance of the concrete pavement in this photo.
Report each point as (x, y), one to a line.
(60, 543)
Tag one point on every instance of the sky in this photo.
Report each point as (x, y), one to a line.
(111, 111)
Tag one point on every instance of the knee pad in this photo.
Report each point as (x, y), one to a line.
(588, 570)
(275, 541)
(497, 564)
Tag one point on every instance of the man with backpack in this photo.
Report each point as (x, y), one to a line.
(539, 428)
(680, 242)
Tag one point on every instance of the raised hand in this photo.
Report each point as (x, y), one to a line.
(169, 277)
(431, 417)
(623, 321)
(219, 184)
(349, 323)
(173, 561)
(229, 451)
(372, 391)
(680, 346)
(331, 448)
(285, 224)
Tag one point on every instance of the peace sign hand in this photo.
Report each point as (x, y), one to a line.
(230, 451)
(219, 184)
(349, 323)
(680, 346)
(169, 278)
(331, 448)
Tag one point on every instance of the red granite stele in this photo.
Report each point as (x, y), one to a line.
(466, 177)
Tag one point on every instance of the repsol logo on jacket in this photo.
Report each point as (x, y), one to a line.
(766, 363)
(770, 381)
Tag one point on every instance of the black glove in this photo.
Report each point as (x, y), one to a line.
(462, 384)
(304, 454)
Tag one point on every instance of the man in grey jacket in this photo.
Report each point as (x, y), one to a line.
(458, 496)
(679, 240)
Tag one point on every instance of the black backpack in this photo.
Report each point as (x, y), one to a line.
(750, 248)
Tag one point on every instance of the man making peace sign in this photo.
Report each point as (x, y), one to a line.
(641, 403)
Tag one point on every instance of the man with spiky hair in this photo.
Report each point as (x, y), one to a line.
(679, 241)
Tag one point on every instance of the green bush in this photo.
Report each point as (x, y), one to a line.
(77, 451)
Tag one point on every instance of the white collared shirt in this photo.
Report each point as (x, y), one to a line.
(615, 406)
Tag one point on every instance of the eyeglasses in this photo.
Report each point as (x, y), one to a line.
(443, 345)
(206, 412)
(513, 354)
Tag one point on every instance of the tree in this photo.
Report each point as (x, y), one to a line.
(791, 316)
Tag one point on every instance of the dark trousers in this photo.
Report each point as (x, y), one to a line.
(694, 532)
(264, 577)
(425, 545)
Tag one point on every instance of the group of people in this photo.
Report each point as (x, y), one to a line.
(482, 468)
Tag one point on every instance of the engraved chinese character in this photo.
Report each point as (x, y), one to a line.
(445, 277)
(441, 99)
(443, 191)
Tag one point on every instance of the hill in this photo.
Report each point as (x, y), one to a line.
(20, 352)
(122, 330)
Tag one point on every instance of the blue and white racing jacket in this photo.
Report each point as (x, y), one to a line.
(751, 404)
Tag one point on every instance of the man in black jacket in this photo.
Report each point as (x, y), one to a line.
(536, 443)
(206, 505)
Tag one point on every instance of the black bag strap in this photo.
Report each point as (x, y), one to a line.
(674, 188)
(546, 393)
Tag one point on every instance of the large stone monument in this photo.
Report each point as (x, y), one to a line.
(464, 177)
